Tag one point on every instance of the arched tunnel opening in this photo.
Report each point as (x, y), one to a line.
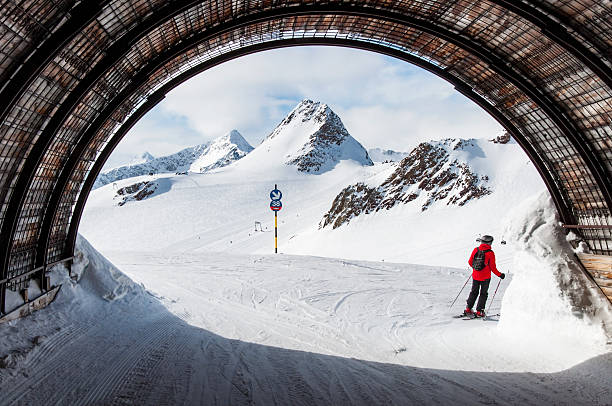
(77, 77)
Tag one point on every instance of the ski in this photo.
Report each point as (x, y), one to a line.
(460, 316)
(487, 317)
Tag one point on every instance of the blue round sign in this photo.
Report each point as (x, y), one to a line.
(276, 195)
(276, 205)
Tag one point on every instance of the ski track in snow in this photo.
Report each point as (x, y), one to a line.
(219, 329)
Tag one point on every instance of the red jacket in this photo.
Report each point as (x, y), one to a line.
(484, 273)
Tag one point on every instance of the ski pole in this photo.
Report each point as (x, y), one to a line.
(491, 302)
(466, 281)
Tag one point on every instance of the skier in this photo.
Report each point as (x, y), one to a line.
(482, 262)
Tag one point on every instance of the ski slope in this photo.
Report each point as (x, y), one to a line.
(220, 329)
(217, 211)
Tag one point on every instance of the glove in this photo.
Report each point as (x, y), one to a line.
(503, 275)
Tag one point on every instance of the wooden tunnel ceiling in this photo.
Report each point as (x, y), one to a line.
(75, 75)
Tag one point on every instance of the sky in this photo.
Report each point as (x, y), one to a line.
(382, 101)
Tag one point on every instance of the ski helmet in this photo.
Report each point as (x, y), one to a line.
(487, 239)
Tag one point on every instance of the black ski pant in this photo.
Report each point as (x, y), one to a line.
(483, 287)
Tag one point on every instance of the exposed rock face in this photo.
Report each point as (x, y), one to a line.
(137, 191)
(501, 139)
(326, 140)
(428, 172)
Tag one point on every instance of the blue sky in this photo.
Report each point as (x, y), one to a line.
(383, 102)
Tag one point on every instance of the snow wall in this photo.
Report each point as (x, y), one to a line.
(95, 278)
(550, 299)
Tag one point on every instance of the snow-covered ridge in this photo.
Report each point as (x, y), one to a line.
(386, 155)
(319, 140)
(179, 162)
(432, 172)
(222, 152)
(200, 158)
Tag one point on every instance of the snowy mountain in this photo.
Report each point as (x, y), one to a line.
(311, 138)
(433, 171)
(465, 187)
(179, 162)
(216, 211)
(222, 152)
(200, 158)
(134, 160)
(141, 159)
(386, 155)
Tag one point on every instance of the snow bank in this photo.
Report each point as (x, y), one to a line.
(550, 302)
(82, 301)
(93, 279)
(98, 275)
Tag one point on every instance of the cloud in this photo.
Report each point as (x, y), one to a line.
(383, 102)
(160, 133)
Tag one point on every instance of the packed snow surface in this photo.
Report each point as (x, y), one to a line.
(204, 328)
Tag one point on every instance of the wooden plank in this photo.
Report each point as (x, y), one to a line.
(596, 262)
(600, 274)
(602, 282)
(40, 302)
(600, 268)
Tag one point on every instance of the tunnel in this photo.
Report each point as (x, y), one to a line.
(76, 76)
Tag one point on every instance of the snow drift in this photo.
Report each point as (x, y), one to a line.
(97, 276)
(550, 299)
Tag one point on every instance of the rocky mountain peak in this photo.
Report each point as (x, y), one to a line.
(306, 111)
(433, 171)
(234, 137)
(315, 139)
(201, 158)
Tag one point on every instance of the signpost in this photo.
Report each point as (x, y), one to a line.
(275, 206)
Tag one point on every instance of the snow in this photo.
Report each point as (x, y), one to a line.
(201, 158)
(221, 152)
(221, 328)
(382, 155)
(186, 304)
(534, 307)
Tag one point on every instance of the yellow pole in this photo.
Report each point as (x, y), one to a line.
(276, 232)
